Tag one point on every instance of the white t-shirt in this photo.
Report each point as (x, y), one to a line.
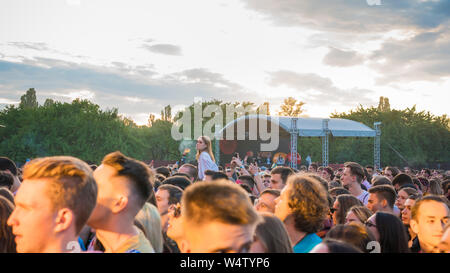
(205, 162)
(364, 197)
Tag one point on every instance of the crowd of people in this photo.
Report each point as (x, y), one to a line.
(62, 204)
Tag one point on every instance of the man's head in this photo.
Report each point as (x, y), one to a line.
(353, 174)
(163, 171)
(179, 181)
(248, 180)
(400, 180)
(54, 202)
(369, 169)
(391, 172)
(304, 203)
(279, 176)
(190, 170)
(425, 173)
(8, 165)
(222, 210)
(406, 212)
(266, 201)
(381, 198)
(124, 184)
(209, 175)
(6, 180)
(429, 215)
(167, 196)
(313, 168)
(327, 174)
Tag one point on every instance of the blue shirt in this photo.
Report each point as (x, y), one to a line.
(307, 243)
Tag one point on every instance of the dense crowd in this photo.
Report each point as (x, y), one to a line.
(62, 204)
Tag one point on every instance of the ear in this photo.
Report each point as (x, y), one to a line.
(120, 204)
(184, 247)
(414, 226)
(384, 203)
(64, 220)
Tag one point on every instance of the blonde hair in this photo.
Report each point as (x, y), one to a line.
(208, 149)
(70, 184)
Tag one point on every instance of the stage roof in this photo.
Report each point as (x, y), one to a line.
(313, 127)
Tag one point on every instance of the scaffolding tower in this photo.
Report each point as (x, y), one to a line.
(377, 146)
(294, 139)
(325, 142)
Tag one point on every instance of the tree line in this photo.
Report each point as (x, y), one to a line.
(83, 130)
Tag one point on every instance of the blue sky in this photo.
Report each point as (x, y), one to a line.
(139, 56)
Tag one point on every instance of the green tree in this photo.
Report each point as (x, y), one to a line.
(29, 99)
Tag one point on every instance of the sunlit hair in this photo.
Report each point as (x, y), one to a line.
(429, 198)
(308, 202)
(70, 184)
(361, 212)
(137, 172)
(273, 235)
(208, 148)
(221, 201)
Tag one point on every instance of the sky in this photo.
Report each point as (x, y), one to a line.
(139, 56)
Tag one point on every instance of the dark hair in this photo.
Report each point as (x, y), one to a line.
(336, 246)
(427, 171)
(369, 167)
(247, 179)
(273, 235)
(367, 176)
(175, 193)
(381, 180)
(274, 192)
(385, 192)
(6, 180)
(209, 172)
(356, 170)
(219, 175)
(393, 170)
(181, 174)
(314, 165)
(393, 237)
(330, 171)
(164, 171)
(193, 171)
(284, 172)
(402, 179)
(322, 181)
(179, 181)
(339, 191)
(334, 184)
(7, 243)
(346, 201)
(137, 172)
(354, 233)
(246, 188)
(8, 164)
(417, 183)
(7, 194)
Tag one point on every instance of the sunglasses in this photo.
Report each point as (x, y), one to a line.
(370, 224)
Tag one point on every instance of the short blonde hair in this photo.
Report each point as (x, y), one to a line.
(70, 184)
(221, 201)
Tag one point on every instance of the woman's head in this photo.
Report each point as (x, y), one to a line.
(271, 236)
(391, 231)
(358, 214)
(342, 204)
(204, 145)
(334, 246)
(403, 195)
(355, 234)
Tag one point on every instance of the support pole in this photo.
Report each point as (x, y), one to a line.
(294, 139)
(325, 144)
(377, 146)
